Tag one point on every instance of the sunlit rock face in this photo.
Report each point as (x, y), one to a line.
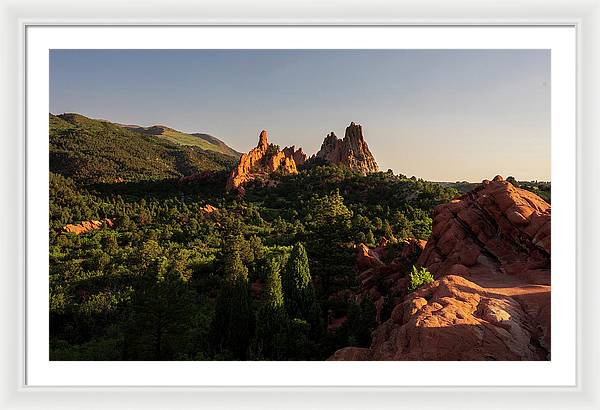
(351, 151)
(87, 226)
(496, 227)
(490, 254)
(264, 159)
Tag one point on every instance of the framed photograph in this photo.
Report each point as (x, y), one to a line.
(318, 209)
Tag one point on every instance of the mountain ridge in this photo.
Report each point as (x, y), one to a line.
(91, 151)
(197, 139)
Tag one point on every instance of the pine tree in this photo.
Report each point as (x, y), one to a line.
(370, 239)
(330, 230)
(388, 233)
(299, 293)
(161, 312)
(233, 323)
(330, 210)
(402, 224)
(271, 324)
(273, 287)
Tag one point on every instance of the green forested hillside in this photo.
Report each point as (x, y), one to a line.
(221, 146)
(258, 278)
(91, 151)
(204, 141)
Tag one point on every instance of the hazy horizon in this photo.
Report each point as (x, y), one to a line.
(441, 115)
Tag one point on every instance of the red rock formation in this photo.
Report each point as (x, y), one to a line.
(86, 226)
(455, 319)
(352, 151)
(494, 228)
(243, 171)
(281, 160)
(378, 279)
(367, 258)
(261, 161)
(208, 209)
(297, 154)
(490, 253)
(373, 272)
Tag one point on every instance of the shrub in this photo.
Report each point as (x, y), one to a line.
(418, 278)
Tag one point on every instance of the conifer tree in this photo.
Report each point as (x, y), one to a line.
(370, 238)
(161, 309)
(388, 233)
(273, 287)
(402, 224)
(299, 293)
(271, 324)
(233, 323)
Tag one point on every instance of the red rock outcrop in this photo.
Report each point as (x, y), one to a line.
(86, 226)
(490, 252)
(352, 151)
(243, 171)
(208, 209)
(262, 160)
(280, 160)
(367, 258)
(455, 319)
(380, 280)
(297, 154)
(494, 228)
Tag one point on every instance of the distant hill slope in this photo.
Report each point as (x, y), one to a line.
(204, 141)
(92, 151)
(225, 149)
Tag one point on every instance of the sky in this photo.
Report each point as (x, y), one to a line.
(440, 115)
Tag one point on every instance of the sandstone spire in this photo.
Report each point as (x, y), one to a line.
(261, 161)
(263, 141)
(352, 151)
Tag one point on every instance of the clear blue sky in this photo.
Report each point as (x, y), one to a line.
(442, 115)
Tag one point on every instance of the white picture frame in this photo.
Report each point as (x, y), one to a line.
(17, 16)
